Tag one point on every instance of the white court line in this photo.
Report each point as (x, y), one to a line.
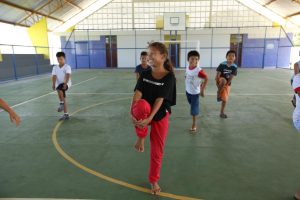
(24, 80)
(285, 81)
(33, 99)
(128, 93)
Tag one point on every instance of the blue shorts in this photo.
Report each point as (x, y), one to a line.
(297, 124)
(193, 100)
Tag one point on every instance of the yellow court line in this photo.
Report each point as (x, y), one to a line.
(98, 174)
(39, 97)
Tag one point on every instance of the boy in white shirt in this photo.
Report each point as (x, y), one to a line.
(296, 113)
(194, 85)
(61, 82)
(296, 71)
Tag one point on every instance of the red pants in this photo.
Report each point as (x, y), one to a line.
(159, 129)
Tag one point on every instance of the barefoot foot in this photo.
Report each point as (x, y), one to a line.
(139, 145)
(155, 189)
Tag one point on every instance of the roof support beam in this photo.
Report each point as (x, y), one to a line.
(73, 4)
(269, 2)
(257, 7)
(30, 10)
(297, 1)
(29, 15)
(12, 23)
(292, 15)
(81, 15)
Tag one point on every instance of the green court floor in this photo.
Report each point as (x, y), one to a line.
(252, 155)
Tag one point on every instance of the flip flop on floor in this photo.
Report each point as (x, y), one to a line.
(224, 116)
(193, 130)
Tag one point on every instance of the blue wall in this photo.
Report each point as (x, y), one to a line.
(69, 51)
(256, 53)
(97, 53)
(264, 53)
(89, 54)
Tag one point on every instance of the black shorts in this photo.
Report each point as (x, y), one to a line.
(60, 87)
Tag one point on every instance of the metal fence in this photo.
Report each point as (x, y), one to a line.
(257, 47)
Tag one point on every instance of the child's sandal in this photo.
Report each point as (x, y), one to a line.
(224, 116)
(193, 130)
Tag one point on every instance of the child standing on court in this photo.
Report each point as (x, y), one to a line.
(14, 118)
(296, 71)
(194, 86)
(296, 113)
(143, 66)
(297, 66)
(225, 73)
(155, 93)
(61, 82)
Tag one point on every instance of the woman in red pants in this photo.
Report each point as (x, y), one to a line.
(155, 93)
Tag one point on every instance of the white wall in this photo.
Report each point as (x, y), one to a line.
(128, 56)
(134, 44)
(55, 46)
(14, 35)
(214, 43)
(220, 42)
(295, 56)
(142, 40)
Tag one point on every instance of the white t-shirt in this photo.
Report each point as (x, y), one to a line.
(296, 88)
(60, 73)
(192, 80)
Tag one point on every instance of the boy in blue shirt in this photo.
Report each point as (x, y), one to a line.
(143, 66)
(225, 73)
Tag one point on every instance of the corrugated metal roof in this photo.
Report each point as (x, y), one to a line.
(288, 9)
(11, 14)
(26, 13)
(32, 4)
(284, 7)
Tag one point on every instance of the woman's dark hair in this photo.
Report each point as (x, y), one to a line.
(193, 53)
(231, 51)
(163, 50)
(60, 54)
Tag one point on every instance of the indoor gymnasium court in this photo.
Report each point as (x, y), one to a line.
(82, 58)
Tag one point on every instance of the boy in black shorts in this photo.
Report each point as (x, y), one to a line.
(61, 81)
